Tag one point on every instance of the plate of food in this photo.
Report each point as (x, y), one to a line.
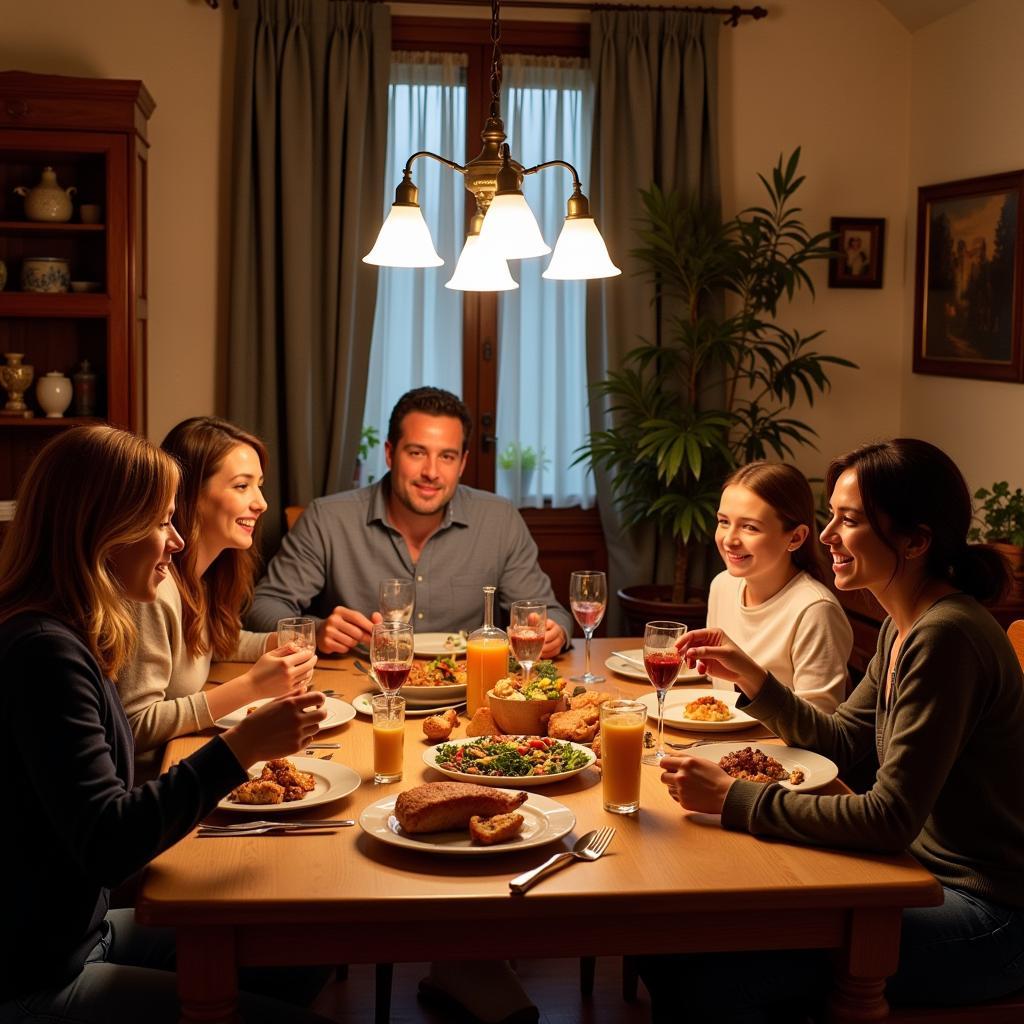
(437, 818)
(700, 710)
(509, 760)
(364, 707)
(631, 665)
(431, 645)
(791, 767)
(439, 682)
(291, 784)
(338, 713)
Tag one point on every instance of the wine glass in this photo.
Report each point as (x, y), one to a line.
(588, 599)
(662, 661)
(391, 654)
(397, 600)
(526, 633)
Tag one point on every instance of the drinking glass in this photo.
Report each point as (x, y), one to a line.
(388, 737)
(526, 633)
(391, 653)
(397, 600)
(662, 661)
(299, 630)
(588, 599)
(622, 744)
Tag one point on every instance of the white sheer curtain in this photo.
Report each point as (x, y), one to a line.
(417, 326)
(542, 376)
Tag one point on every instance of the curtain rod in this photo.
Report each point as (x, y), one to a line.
(732, 14)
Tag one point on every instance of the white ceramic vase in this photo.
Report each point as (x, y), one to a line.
(54, 394)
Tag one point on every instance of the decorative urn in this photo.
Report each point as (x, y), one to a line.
(54, 394)
(47, 201)
(15, 378)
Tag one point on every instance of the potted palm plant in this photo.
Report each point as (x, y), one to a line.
(718, 387)
(1001, 526)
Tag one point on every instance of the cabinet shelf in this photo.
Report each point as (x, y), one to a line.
(59, 305)
(30, 227)
(45, 423)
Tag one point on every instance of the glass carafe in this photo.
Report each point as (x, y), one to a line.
(486, 657)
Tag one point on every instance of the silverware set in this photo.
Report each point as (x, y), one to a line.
(689, 743)
(262, 828)
(587, 847)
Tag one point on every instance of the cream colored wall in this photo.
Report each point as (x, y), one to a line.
(180, 49)
(967, 106)
(832, 77)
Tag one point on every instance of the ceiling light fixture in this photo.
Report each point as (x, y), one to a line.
(503, 227)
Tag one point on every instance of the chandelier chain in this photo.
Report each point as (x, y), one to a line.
(495, 59)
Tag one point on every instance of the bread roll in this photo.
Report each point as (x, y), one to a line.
(446, 806)
(489, 831)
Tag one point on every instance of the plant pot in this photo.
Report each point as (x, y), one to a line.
(1013, 556)
(649, 601)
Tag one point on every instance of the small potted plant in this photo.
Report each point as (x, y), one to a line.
(368, 439)
(1001, 526)
(518, 464)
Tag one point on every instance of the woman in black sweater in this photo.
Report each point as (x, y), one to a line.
(92, 532)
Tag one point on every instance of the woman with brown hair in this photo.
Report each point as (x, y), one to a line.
(92, 533)
(772, 599)
(197, 612)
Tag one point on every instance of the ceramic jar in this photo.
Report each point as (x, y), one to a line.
(54, 394)
(47, 201)
(15, 378)
(45, 274)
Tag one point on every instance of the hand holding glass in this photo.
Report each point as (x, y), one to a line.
(526, 633)
(300, 632)
(397, 600)
(391, 654)
(662, 661)
(588, 598)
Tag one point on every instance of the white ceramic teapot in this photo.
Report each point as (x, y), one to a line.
(47, 201)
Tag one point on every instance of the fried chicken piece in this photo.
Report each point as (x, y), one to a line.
(258, 791)
(496, 829)
(482, 724)
(292, 778)
(439, 727)
(293, 793)
(579, 725)
(596, 746)
(589, 699)
(278, 764)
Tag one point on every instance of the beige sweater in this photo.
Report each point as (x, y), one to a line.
(800, 635)
(161, 688)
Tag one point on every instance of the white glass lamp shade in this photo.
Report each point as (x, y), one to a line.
(480, 269)
(580, 253)
(510, 228)
(404, 241)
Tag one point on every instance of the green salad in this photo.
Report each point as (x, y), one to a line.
(542, 669)
(511, 756)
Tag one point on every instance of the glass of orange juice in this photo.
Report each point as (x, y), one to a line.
(388, 737)
(622, 745)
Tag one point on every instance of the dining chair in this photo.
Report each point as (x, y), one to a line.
(291, 515)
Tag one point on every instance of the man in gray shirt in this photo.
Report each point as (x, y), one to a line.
(417, 523)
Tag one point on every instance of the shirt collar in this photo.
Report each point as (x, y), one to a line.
(456, 512)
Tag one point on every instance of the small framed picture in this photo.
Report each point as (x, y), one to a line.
(969, 278)
(859, 247)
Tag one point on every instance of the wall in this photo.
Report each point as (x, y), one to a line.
(832, 77)
(181, 50)
(967, 102)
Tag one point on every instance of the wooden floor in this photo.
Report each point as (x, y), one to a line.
(553, 985)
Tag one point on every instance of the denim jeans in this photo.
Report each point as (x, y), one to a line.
(129, 978)
(965, 951)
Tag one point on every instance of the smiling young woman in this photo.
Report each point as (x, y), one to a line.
(197, 612)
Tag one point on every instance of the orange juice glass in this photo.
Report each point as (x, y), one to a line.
(486, 663)
(622, 745)
(388, 737)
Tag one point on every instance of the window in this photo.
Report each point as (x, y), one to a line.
(530, 388)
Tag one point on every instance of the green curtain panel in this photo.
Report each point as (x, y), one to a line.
(310, 122)
(655, 120)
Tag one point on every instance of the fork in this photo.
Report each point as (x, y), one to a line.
(595, 844)
(243, 826)
(261, 828)
(688, 744)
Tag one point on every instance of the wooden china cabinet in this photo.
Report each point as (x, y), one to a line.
(92, 132)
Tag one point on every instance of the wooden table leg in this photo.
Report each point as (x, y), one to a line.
(862, 967)
(207, 975)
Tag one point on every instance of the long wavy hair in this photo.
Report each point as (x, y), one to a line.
(211, 605)
(789, 494)
(88, 493)
(906, 486)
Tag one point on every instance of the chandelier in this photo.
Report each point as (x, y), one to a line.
(503, 227)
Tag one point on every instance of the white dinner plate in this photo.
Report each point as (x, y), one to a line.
(332, 782)
(513, 781)
(675, 708)
(432, 645)
(544, 821)
(338, 713)
(626, 668)
(364, 707)
(818, 770)
(434, 696)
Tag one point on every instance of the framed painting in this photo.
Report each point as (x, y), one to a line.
(968, 278)
(859, 246)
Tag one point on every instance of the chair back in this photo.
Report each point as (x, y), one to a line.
(1015, 632)
(292, 513)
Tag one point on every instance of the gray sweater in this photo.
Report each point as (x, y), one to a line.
(949, 788)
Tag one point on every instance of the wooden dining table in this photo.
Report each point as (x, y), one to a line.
(671, 882)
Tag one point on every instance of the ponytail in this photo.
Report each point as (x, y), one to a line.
(979, 570)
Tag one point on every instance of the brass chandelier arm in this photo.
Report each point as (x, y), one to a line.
(578, 205)
(433, 156)
(555, 163)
